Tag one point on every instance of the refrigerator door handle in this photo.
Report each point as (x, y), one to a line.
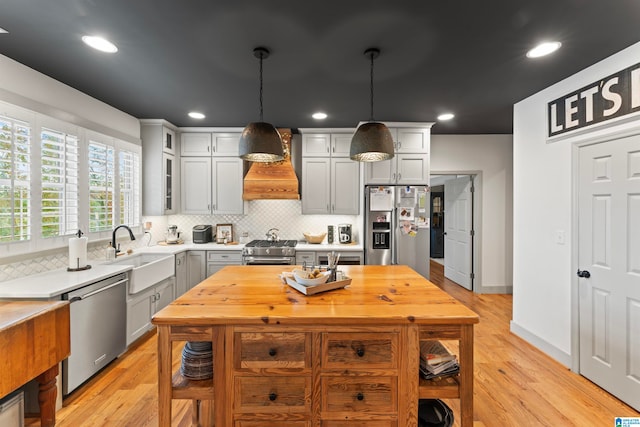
(394, 230)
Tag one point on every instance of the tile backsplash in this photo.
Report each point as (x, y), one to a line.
(261, 216)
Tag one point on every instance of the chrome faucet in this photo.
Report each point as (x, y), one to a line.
(272, 235)
(113, 237)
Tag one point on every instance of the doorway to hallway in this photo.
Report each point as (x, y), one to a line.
(452, 226)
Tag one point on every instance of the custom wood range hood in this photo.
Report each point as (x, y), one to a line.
(275, 180)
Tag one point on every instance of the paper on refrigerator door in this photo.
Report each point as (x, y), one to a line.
(380, 199)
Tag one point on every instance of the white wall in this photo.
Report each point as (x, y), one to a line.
(491, 158)
(27, 88)
(544, 270)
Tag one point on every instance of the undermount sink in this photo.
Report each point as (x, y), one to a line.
(148, 269)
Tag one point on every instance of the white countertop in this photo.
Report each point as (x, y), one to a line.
(342, 247)
(52, 284)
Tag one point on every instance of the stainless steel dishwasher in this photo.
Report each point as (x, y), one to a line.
(98, 329)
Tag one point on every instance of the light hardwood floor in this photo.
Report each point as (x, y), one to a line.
(515, 384)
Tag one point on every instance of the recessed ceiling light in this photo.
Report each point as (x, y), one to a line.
(446, 116)
(196, 115)
(100, 44)
(3, 31)
(319, 116)
(543, 49)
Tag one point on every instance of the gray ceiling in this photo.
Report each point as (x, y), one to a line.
(436, 56)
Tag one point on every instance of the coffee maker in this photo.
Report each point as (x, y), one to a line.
(344, 233)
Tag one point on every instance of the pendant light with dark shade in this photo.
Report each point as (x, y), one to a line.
(372, 141)
(260, 141)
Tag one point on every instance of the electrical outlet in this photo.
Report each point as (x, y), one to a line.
(560, 237)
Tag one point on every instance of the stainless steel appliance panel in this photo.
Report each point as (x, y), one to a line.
(377, 228)
(98, 329)
(268, 260)
(385, 244)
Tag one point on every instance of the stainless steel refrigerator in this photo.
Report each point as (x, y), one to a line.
(396, 226)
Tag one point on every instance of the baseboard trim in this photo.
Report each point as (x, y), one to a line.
(541, 344)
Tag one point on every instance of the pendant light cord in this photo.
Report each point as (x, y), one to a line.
(371, 87)
(261, 119)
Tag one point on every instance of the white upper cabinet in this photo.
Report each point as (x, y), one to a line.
(195, 144)
(341, 144)
(410, 164)
(316, 145)
(219, 144)
(330, 179)
(225, 144)
(227, 185)
(212, 173)
(160, 170)
(413, 140)
(196, 185)
(212, 185)
(168, 140)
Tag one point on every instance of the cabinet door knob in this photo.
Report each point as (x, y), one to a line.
(273, 396)
(273, 352)
(360, 351)
(360, 396)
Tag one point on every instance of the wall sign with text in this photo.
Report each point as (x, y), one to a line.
(614, 96)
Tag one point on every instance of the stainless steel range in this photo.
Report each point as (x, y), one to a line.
(269, 252)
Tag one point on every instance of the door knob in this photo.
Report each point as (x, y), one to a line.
(583, 273)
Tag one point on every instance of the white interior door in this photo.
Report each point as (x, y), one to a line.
(609, 263)
(458, 225)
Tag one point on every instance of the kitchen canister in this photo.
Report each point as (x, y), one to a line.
(78, 253)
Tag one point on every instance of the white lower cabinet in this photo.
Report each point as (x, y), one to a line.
(196, 267)
(216, 260)
(143, 305)
(181, 273)
(306, 258)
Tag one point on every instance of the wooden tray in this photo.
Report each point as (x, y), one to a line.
(310, 290)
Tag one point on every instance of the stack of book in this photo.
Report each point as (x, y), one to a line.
(436, 361)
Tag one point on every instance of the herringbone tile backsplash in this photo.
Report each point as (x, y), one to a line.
(262, 215)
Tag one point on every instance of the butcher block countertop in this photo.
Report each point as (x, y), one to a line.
(346, 354)
(257, 295)
(34, 336)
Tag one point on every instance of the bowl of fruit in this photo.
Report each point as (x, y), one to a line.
(311, 277)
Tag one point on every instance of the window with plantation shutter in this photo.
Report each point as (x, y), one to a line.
(101, 186)
(129, 173)
(59, 177)
(15, 180)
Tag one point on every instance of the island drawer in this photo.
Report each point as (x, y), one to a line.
(290, 350)
(370, 395)
(360, 350)
(272, 394)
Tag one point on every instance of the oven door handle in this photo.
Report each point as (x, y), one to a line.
(267, 261)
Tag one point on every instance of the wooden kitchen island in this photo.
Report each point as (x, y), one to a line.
(34, 338)
(343, 358)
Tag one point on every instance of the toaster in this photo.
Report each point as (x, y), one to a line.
(202, 234)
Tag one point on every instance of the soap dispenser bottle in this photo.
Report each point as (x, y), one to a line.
(111, 252)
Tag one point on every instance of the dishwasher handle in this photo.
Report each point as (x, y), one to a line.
(97, 291)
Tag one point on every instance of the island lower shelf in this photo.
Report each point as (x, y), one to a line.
(441, 388)
(184, 388)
